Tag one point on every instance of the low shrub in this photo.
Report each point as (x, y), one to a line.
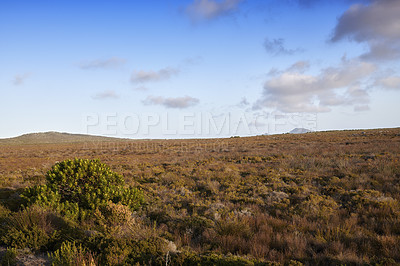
(10, 257)
(191, 258)
(318, 207)
(4, 212)
(29, 228)
(129, 251)
(70, 254)
(37, 228)
(114, 218)
(78, 187)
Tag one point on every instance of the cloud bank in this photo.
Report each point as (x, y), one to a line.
(377, 24)
(178, 102)
(293, 91)
(390, 82)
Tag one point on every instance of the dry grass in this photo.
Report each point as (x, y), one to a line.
(328, 198)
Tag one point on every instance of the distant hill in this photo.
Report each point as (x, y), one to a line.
(299, 131)
(54, 137)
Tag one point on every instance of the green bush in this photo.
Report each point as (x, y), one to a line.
(10, 257)
(29, 227)
(69, 254)
(4, 212)
(148, 250)
(191, 258)
(77, 187)
(10, 198)
(114, 218)
(318, 207)
(129, 251)
(37, 228)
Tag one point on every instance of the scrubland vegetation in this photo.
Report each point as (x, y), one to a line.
(327, 198)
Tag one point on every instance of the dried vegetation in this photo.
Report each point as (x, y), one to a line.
(315, 198)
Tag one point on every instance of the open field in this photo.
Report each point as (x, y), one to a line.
(324, 197)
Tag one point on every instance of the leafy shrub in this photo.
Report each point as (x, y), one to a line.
(37, 228)
(362, 199)
(76, 187)
(191, 258)
(129, 251)
(147, 250)
(10, 198)
(69, 254)
(4, 212)
(320, 207)
(114, 218)
(27, 228)
(10, 257)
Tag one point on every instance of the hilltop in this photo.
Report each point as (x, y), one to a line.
(300, 131)
(54, 137)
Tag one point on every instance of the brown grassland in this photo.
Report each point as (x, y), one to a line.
(323, 198)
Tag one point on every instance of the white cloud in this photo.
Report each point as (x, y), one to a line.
(299, 66)
(277, 47)
(243, 103)
(178, 102)
(347, 73)
(113, 62)
(391, 82)
(19, 79)
(293, 91)
(380, 50)
(377, 24)
(210, 9)
(142, 76)
(106, 95)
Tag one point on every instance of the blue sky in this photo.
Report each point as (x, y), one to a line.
(198, 68)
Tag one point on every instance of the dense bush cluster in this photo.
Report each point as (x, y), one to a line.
(326, 198)
(78, 186)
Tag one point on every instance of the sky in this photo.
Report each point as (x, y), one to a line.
(198, 68)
